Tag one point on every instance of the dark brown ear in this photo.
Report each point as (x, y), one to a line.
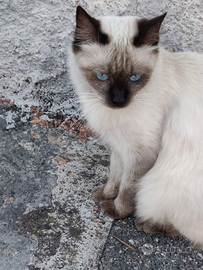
(148, 31)
(87, 30)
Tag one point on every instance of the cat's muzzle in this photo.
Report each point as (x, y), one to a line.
(118, 97)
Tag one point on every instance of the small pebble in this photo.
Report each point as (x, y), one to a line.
(131, 241)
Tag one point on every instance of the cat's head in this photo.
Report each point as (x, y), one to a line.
(116, 55)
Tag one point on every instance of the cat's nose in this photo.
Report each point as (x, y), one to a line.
(118, 96)
(119, 101)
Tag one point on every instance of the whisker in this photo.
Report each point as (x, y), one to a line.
(142, 99)
(89, 102)
(90, 95)
(92, 109)
(89, 98)
(144, 103)
(139, 105)
(157, 94)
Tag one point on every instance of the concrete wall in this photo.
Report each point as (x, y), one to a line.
(35, 34)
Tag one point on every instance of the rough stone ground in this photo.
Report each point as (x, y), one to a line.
(47, 217)
(48, 166)
(152, 251)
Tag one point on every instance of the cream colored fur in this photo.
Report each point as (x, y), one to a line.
(162, 125)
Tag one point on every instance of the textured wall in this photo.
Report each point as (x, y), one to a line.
(34, 36)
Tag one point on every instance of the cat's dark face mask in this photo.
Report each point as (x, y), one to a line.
(123, 87)
(116, 73)
(118, 94)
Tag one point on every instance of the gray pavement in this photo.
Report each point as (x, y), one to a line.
(48, 166)
(152, 251)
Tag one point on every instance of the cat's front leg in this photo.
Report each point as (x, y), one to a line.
(110, 190)
(123, 205)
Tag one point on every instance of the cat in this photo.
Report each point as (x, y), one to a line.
(146, 104)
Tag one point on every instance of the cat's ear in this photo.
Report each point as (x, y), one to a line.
(87, 30)
(148, 31)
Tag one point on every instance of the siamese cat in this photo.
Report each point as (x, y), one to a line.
(146, 104)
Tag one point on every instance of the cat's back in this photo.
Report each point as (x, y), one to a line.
(183, 75)
(187, 65)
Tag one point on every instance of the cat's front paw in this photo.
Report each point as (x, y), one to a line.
(146, 226)
(98, 194)
(153, 228)
(103, 193)
(109, 208)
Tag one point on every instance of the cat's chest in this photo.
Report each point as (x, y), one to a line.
(129, 133)
(130, 137)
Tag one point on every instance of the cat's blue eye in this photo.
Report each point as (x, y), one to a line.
(102, 77)
(135, 78)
